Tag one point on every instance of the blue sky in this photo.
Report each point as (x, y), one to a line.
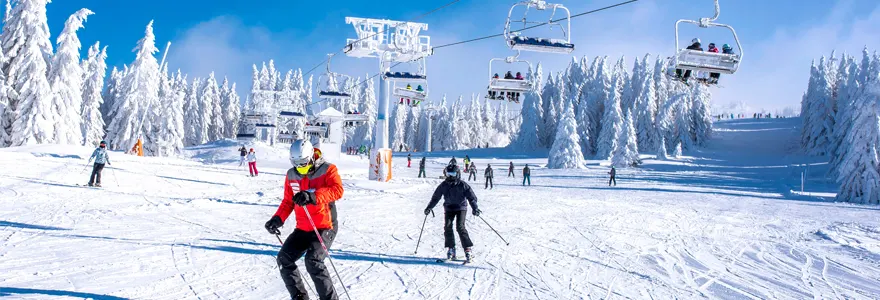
(780, 37)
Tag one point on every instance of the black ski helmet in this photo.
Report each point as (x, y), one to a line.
(452, 172)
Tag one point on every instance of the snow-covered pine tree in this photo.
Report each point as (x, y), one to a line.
(93, 121)
(820, 112)
(683, 121)
(169, 134)
(601, 93)
(632, 89)
(364, 132)
(412, 126)
(442, 136)
(459, 126)
(702, 117)
(213, 113)
(661, 149)
(612, 121)
(492, 135)
(138, 92)
(806, 107)
(553, 98)
(66, 78)
(29, 117)
(529, 136)
(565, 153)
(646, 109)
(859, 173)
(626, 154)
(231, 110)
(677, 152)
(110, 94)
(399, 127)
(192, 118)
(661, 82)
(848, 89)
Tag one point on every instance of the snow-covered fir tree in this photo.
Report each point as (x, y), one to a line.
(364, 133)
(139, 91)
(859, 174)
(646, 108)
(93, 121)
(612, 121)
(110, 94)
(566, 150)
(169, 134)
(529, 135)
(192, 123)
(66, 78)
(29, 116)
(661, 149)
(212, 111)
(626, 154)
(702, 117)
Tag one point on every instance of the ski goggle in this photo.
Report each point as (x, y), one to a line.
(451, 174)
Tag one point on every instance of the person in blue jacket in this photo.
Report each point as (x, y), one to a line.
(101, 158)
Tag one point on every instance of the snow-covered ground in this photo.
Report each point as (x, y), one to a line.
(725, 222)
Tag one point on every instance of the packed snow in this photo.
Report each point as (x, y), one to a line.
(724, 222)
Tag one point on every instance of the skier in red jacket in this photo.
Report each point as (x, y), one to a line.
(314, 185)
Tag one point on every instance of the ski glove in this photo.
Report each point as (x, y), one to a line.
(273, 224)
(477, 212)
(428, 211)
(304, 198)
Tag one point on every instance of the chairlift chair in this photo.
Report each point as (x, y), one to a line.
(503, 87)
(413, 95)
(516, 41)
(704, 61)
(332, 92)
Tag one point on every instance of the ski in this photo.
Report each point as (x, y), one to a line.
(444, 260)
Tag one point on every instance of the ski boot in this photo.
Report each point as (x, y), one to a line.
(450, 254)
(468, 255)
(98, 184)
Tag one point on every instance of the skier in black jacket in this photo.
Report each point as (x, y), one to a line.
(489, 174)
(456, 194)
(422, 168)
(696, 45)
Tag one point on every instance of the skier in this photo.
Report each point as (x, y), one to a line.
(527, 175)
(252, 163)
(613, 178)
(453, 161)
(687, 74)
(243, 152)
(409, 160)
(510, 171)
(472, 171)
(508, 75)
(713, 77)
(489, 173)
(101, 158)
(456, 194)
(467, 162)
(422, 168)
(314, 185)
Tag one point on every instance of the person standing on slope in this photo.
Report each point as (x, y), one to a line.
(101, 158)
(243, 152)
(252, 163)
(311, 188)
(409, 160)
(489, 174)
(613, 178)
(456, 194)
(422, 168)
(467, 162)
(472, 172)
(510, 171)
(527, 175)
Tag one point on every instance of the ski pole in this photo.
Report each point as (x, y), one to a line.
(420, 232)
(113, 170)
(85, 167)
(493, 229)
(321, 240)
(278, 236)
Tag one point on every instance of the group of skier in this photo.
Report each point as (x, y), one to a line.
(513, 96)
(251, 158)
(696, 45)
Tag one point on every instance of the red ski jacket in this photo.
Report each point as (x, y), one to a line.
(324, 179)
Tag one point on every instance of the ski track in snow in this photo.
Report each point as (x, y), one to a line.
(721, 223)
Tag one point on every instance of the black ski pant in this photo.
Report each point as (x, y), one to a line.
(422, 173)
(511, 173)
(489, 183)
(458, 218)
(614, 179)
(472, 176)
(713, 77)
(96, 174)
(306, 242)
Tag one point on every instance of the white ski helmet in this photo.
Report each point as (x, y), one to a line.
(301, 153)
(695, 40)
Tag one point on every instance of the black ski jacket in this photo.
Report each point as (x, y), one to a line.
(527, 171)
(243, 151)
(456, 195)
(489, 172)
(422, 164)
(695, 46)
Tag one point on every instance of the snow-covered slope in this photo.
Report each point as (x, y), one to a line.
(721, 223)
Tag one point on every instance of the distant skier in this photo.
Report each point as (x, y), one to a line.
(243, 151)
(456, 194)
(313, 184)
(613, 178)
(472, 172)
(489, 173)
(453, 161)
(510, 171)
(527, 175)
(422, 168)
(409, 160)
(252, 163)
(467, 162)
(101, 158)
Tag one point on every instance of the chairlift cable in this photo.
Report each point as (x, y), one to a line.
(536, 26)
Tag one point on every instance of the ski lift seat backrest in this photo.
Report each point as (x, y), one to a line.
(333, 95)
(290, 114)
(541, 45)
(712, 62)
(406, 77)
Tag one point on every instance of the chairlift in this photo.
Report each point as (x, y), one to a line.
(704, 61)
(331, 90)
(516, 41)
(502, 88)
(407, 94)
(352, 119)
